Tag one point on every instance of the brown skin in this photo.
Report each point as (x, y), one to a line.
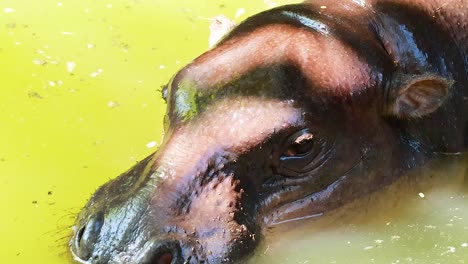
(298, 111)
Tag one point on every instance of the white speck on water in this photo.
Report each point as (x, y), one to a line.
(464, 245)
(109, 6)
(177, 62)
(59, 4)
(430, 227)
(140, 81)
(90, 46)
(388, 223)
(52, 83)
(112, 104)
(395, 238)
(60, 82)
(39, 62)
(162, 67)
(66, 33)
(40, 51)
(71, 66)
(151, 144)
(239, 12)
(368, 248)
(323, 7)
(96, 73)
(449, 251)
(378, 241)
(86, 10)
(421, 195)
(270, 3)
(8, 10)
(17, 43)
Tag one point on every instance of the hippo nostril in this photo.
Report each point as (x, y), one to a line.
(157, 252)
(88, 235)
(79, 235)
(164, 258)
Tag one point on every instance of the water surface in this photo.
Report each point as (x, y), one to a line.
(80, 103)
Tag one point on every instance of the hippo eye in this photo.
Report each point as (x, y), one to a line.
(300, 153)
(302, 144)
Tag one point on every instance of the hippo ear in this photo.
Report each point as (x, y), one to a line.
(417, 96)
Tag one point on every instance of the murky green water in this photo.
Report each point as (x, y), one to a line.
(423, 219)
(80, 103)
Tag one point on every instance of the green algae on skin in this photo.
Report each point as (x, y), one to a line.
(186, 99)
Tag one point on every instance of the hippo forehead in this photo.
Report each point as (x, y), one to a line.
(273, 61)
(325, 60)
(327, 50)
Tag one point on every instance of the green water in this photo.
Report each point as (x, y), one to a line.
(80, 103)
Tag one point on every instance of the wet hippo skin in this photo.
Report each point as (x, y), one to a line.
(298, 111)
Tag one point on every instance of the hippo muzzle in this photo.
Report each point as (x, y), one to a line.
(296, 112)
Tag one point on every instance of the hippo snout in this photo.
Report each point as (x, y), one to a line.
(137, 218)
(152, 252)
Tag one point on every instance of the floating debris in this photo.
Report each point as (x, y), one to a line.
(270, 3)
(151, 144)
(219, 27)
(39, 62)
(33, 94)
(421, 195)
(71, 66)
(9, 10)
(96, 73)
(239, 12)
(112, 104)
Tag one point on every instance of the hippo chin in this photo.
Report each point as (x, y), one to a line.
(296, 112)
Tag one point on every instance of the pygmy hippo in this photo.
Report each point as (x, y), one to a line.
(295, 112)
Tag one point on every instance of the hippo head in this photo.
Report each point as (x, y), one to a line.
(279, 122)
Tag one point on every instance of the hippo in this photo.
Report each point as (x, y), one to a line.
(296, 112)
